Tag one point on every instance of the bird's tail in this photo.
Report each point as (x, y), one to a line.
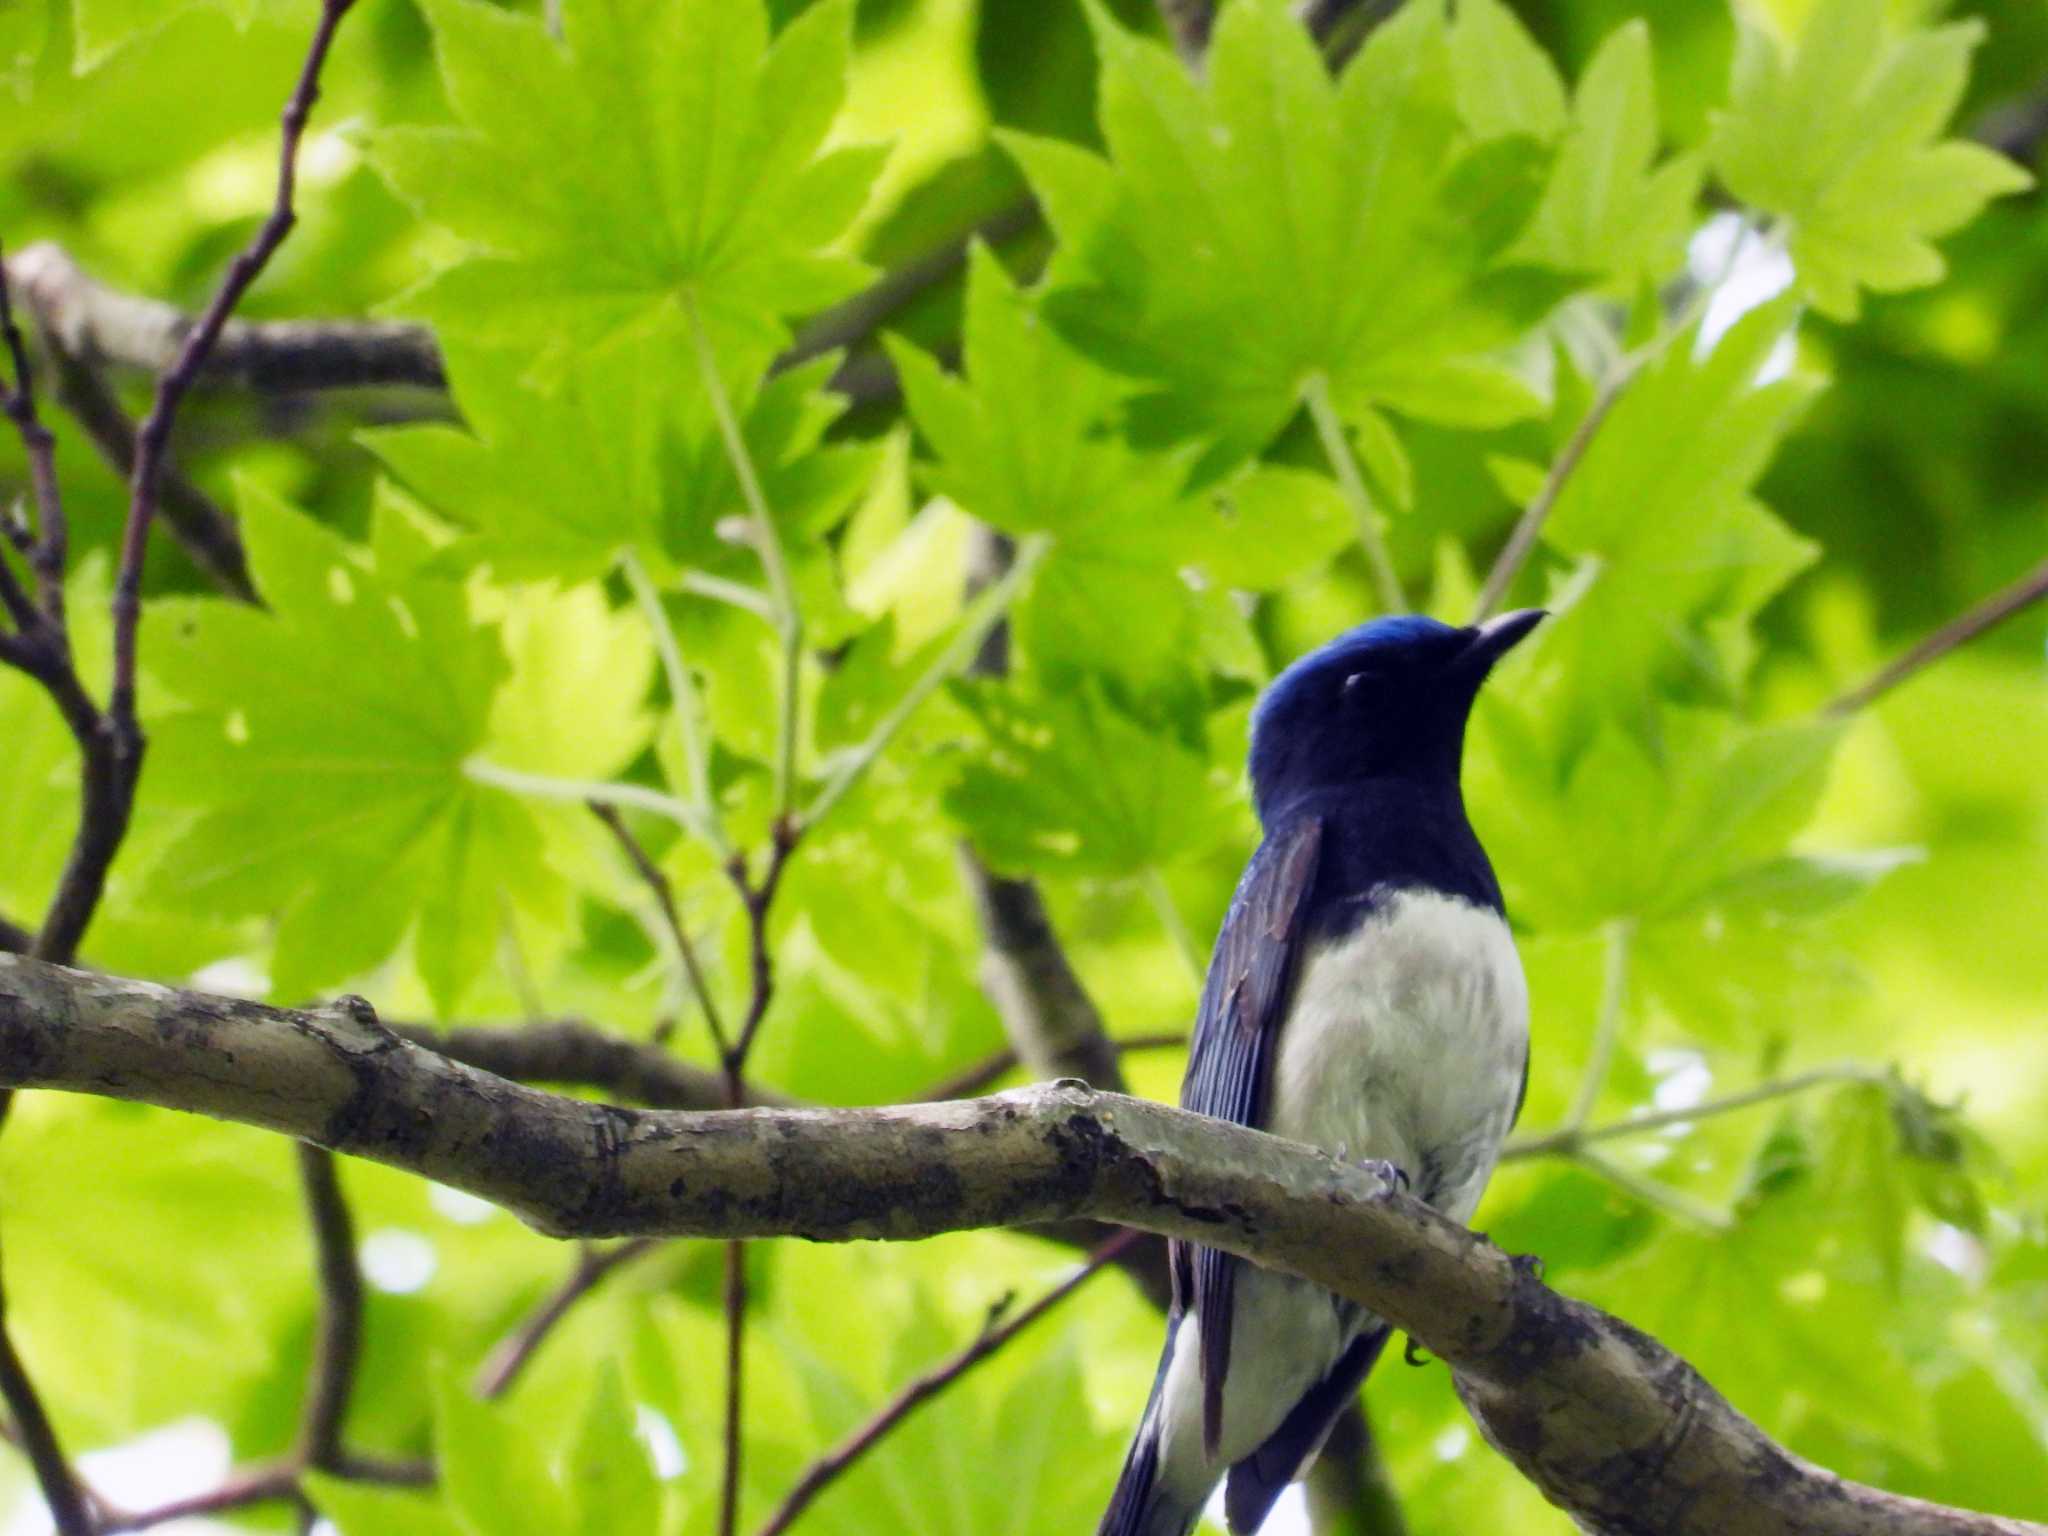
(1148, 1501)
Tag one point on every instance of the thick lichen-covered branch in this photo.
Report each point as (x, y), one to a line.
(1606, 1421)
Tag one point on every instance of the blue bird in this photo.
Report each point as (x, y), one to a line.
(1364, 996)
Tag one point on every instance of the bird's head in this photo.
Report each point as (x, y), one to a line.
(1385, 700)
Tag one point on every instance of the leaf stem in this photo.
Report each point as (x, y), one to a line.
(1653, 1192)
(1567, 1140)
(1170, 919)
(983, 614)
(542, 786)
(1337, 449)
(767, 544)
(1607, 1031)
(736, 594)
(682, 688)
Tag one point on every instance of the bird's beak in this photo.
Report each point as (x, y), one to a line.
(1497, 636)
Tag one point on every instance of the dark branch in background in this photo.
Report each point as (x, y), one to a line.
(15, 939)
(38, 1441)
(98, 328)
(205, 532)
(861, 316)
(1605, 1421)
(1053, 1024)
(338, 1349)
(994, 1335)
(1962, 629)
(1188, 23)
(570, 1052)
(1350, 1492)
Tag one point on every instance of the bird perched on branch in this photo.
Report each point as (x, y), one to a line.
(1364, 996)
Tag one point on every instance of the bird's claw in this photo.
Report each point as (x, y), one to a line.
(1528, 1264)
(1391, 1174)
(1412, 1353)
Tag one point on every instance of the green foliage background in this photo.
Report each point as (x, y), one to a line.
(1446, 249)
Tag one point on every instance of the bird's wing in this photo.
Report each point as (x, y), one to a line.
(1242, 1004)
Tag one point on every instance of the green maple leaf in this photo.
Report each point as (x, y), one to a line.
(667, 156)
(1608, 208)
(1073, 782)
(621, 453)
(1661, 516)
(1272, 226)
(1840, 138)
(321, 745)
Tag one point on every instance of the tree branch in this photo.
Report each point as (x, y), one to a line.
(1609, 1424)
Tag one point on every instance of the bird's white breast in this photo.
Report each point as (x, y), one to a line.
(1406, 1041)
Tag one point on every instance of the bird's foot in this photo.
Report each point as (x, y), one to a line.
(1412, 1353)
(1528, 1264)
(1391, 1174)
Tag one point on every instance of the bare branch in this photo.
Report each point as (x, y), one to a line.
(665, 897)
(38, 1440)
(501, 1368)
(1604, 1420)
(1961, 630)
(153, 440)
(338, 1349)
(823, 1472)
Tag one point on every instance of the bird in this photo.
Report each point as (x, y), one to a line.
(1364, 996)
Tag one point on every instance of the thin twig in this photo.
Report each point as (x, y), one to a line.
(38, 1440)
(834, 1463)
(338, 1349)
(202, 528)
(1337, 449)
(1522, 541)
(501, 1368)
(112, 749)
(1567, 1140)
(664, 895)
(1626, 370)
(735, 1304)
(1965, 627)
(47, 556)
